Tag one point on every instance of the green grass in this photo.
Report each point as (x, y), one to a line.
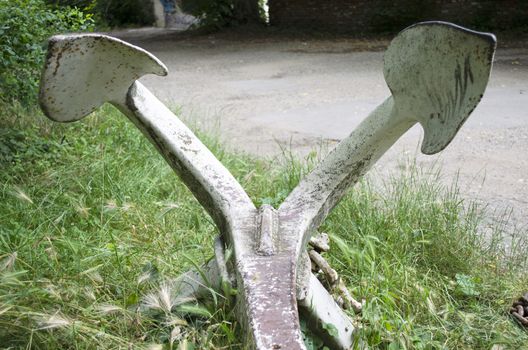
(92, 220)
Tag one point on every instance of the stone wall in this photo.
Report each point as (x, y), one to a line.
(365, 16)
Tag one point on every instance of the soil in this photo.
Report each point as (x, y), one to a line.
(266, 93)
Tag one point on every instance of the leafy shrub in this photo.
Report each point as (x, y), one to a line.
(217, 14)
(19, 148)
(24, 27)
(220, 14)
(115, 12)
(119, 13)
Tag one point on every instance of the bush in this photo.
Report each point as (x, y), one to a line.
(129, 12)
(115, 13)
(24, 27)
(217, 14)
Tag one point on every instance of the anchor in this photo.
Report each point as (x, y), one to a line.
(437, 73)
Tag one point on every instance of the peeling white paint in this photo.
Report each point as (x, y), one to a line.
(437, 73)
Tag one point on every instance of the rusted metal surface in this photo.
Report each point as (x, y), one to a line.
(437, 73)
(519, 310)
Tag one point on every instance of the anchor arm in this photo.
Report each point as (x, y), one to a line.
(210, 182)
(437, 73)
(84, 71)
(316, 195)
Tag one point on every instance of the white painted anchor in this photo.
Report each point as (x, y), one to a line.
(437, 73)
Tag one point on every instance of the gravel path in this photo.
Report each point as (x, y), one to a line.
(266, 93)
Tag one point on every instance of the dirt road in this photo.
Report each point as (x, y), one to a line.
(267, 93)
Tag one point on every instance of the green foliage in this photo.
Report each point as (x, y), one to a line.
(263, 14)
(18, 148)
(92, 221)
(115, 13)
(218, 14)
(24, 27)
(466, 285)
(415, 252)
(331, 329)
(311, 340)
(129, 12)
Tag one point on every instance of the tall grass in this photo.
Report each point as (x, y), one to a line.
(92, 221)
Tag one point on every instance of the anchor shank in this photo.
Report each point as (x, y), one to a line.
(270, 306)
(210, 182)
